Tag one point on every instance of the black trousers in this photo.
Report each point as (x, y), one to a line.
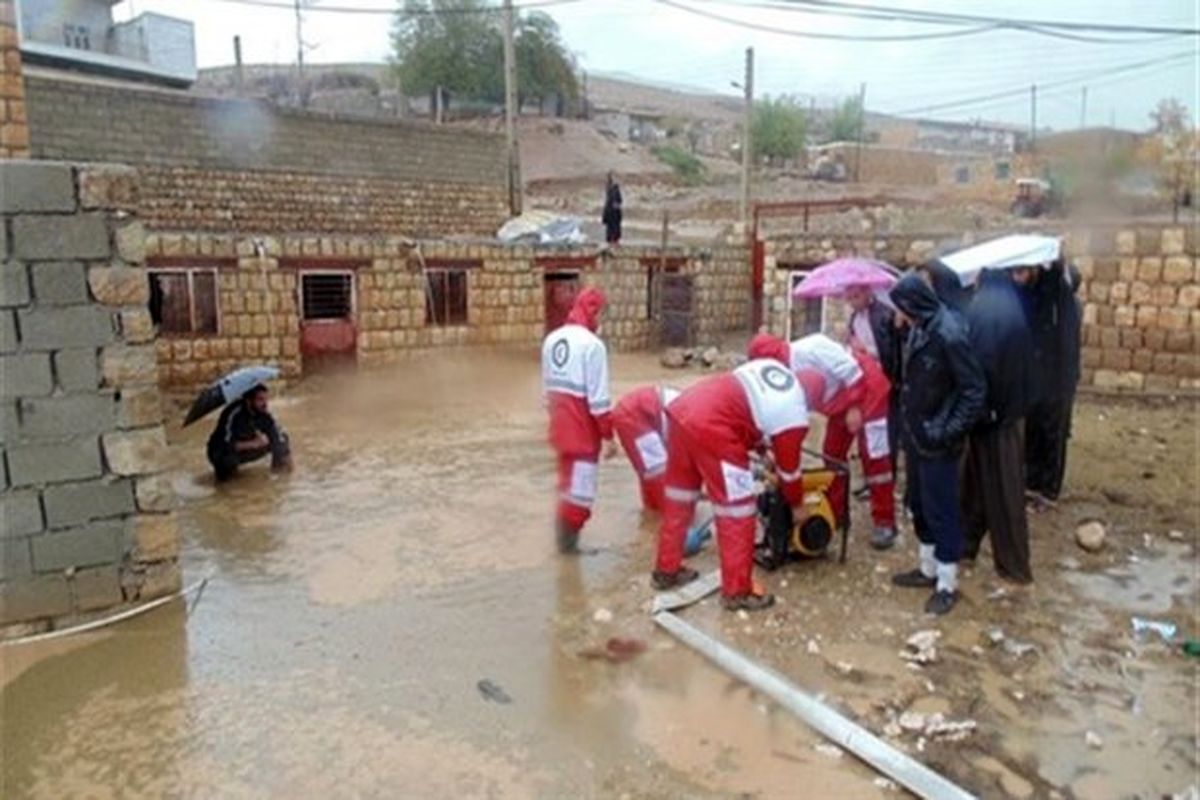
(934, 502)
(994, 499)
(1047, 432)
(226, 460)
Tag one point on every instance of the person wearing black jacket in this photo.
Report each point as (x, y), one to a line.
(941, 399)
(994, 478)
(1057, 330)
(611, 216)
(246, 432)
(873, 329)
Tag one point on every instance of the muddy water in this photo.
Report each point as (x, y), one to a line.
(355, 605)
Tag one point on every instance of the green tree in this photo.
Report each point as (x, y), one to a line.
(459, 46)
(777, 129)
(846, 122)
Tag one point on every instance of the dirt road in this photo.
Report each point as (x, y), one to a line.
(370, 614)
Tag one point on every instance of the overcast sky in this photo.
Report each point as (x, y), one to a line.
(664, 44)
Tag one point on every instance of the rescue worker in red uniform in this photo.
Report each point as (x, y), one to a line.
(849, 388)
(640, 425)
(575, 390)
(714, 426)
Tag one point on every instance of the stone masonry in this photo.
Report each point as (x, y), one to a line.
(1140, 295)
(258, 279)
(14, 133)
(85, 510)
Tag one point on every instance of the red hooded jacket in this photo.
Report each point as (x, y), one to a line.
(575, 379)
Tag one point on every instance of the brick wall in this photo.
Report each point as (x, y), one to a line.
(221, 165)
(1141, 295)
(14, 133)
(85, 506)
(259, 317)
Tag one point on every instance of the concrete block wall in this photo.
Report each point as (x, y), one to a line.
(14, 132)
(85, 511)
(258, 300)
(1140, 294)
(220, 165)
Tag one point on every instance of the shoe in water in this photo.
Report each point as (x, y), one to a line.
(914, 579)
(941, 602)
(662, 581)
(883, 538)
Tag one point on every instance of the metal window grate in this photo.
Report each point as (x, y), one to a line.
(327, 295)
(446, 297)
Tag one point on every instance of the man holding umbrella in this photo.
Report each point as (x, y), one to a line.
(246, 432)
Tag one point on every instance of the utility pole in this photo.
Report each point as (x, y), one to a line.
(300, 93)
(238, 75)
(510, 111)
(1032, 116)
(586, 114)
(747, 143)
(1083, 108)
(862, 115)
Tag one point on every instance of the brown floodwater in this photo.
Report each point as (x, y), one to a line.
(355, 605)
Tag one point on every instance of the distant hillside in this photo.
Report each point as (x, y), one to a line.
(626, 94)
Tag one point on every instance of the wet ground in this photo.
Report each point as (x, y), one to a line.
(389, 620)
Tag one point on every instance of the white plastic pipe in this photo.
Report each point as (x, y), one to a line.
(908, 772)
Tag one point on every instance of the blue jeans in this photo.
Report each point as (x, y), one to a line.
(933, 500)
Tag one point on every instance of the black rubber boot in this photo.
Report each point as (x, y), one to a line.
(914, 579)
(566, 537)
(662, 581)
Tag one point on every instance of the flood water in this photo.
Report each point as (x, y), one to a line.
(355, 606)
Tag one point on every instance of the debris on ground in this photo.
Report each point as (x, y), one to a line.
(616, 650)
(1176, 535)
(885, 784)
(1069, 563)
(813, 648)
(921, 647)
(1090, 535)
(829, 750)
(602, 615)
(1018, 649)
(1093, 740)
(492, 691)
(707, 357)
(1166, 630)
(675, 358)
(937, 726)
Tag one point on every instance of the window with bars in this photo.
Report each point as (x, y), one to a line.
(327, 295)
(184, 301)
(446, 296)
(77, 37)
(807, 315)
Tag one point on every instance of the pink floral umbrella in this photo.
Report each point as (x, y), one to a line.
(834, 278)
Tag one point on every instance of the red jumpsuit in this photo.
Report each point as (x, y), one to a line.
(640, 425)
(713, 427)
(836, 380)
(575, 389)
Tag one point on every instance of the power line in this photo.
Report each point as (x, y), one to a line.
(844, 37)
(391, 12)
(1052, 84)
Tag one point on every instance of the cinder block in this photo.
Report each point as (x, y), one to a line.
(14, 285)
(136, 452)
(8, 331)
(60, 283)
(36, 186)
(124, 365)
(91, 545)
(36, 598)
(70, 326)
(70, 415)
(54, 462)
(20, 513)
(77, 370)
(16, 560)
(96, 588)
(54, 238)
(26, 375)
(76, 503)
(130, 242)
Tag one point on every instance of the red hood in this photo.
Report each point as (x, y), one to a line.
(586, 310)
(764, 345)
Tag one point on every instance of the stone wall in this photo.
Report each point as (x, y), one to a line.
(1141, 295)
(14, 133)
(224, 165)
(258, 295)
(85, 506)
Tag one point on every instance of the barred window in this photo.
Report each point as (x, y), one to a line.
(327, 295)
(446, 293)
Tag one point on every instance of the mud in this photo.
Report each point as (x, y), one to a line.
(356, 605)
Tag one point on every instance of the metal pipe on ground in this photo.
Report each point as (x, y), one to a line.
(906, 771)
